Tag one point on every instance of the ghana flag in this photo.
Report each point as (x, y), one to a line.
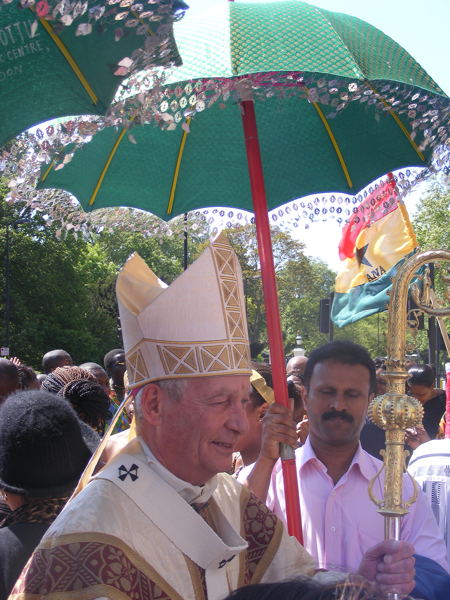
(375, 242)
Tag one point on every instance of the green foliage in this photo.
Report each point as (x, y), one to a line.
(165, 258)
(370, 332)
(51, 294)
(301, 282)
(62, 291)
(431, 222)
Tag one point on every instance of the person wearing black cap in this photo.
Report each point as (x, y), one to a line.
(114, 362)
(44, 448)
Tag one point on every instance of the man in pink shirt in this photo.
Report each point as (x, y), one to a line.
(340, 522)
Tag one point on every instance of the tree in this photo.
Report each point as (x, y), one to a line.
(431, 224)
(370, 332)
(51, 292)
(62, 290)
(432, 216)
(285, 248)
(301, 283)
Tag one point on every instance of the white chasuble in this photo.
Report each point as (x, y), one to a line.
(130, 536)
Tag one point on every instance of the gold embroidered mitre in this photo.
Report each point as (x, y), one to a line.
(195, 327)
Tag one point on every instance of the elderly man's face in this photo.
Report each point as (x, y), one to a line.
(196, 435)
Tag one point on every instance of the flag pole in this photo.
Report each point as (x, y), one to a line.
(272, 309)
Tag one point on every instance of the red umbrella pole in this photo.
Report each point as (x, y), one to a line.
(272, 309)
(447, 394)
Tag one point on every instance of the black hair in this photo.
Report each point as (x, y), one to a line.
(27, 376)
(293, 393)
(380, 362)
(91, 365)
(90, 402)
(421, 375)
(53, 359)
(111, 357)
(9, 378)
(344, 352)
(305, 589)
(61, 376)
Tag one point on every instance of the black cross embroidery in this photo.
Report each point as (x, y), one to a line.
(225, 561)
(132, 472)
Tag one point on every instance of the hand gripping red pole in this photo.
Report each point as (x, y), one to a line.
(271, 305)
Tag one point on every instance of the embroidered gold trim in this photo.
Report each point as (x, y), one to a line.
(136, 367)
(209, 513)
(209, 374)
(172, 343)
(109, 540)
(243, 501)
(269, 554)
(90, 593)
(196, 579)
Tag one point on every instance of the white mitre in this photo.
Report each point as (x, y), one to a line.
(195, 327)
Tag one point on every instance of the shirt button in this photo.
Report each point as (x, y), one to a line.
(333, 528)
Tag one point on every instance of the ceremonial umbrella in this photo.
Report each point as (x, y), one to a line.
(328, 90)
(48, 71)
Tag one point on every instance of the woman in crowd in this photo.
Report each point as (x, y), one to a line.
(90, 402)
(80, 388)
(61, 376)
(421, 386)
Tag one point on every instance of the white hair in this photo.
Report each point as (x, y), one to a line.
(174, 388)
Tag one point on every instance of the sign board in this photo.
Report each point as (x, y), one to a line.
(4, 351)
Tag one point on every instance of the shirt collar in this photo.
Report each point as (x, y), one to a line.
(361, 460)
(307, 454)
(197, 494)
(365, 462)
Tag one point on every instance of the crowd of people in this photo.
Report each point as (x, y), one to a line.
(187, 500)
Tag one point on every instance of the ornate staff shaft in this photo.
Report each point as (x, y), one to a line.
(395, 411)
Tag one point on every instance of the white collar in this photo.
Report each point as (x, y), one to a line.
(137, 477)
(197, 494)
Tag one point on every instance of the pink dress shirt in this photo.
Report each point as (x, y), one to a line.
(340, 522)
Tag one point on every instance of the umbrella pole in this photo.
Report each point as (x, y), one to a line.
(447, 395)
(272, 309)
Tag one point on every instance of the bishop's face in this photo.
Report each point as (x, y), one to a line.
(197, 433)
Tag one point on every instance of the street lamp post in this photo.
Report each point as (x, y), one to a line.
(298, 351)
(24, 217)
(7, 294)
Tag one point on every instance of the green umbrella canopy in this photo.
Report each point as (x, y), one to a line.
(45, 74)
(322, 83)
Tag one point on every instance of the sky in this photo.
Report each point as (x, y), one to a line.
(422, 28)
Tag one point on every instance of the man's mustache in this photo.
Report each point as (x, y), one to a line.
(337, 414)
